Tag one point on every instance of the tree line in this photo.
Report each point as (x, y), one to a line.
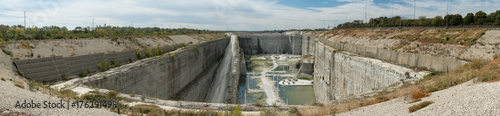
(479, 18)
(19, 32)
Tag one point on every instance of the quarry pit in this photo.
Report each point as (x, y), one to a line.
(270, 69)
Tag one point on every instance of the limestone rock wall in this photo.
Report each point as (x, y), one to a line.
(183, 74)
(339, 74)
(270, 44)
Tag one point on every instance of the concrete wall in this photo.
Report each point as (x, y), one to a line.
(185, 75)
(270, 44)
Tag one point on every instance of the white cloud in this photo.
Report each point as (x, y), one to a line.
(220, 14)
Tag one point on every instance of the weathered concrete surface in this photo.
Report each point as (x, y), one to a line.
(169, 76)
(341, 74)
(270, 44)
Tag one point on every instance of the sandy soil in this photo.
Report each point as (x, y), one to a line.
(466, 99)
(10, 94)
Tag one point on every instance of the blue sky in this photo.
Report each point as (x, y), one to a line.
(225, 14)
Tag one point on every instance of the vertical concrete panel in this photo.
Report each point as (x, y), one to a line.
(437, 64)
(425, 61)
(413, 59)
(394, 56)
(403, 58)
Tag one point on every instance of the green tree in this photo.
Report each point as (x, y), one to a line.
(437, 21)
(139, 56)
(491, 18)
(456, 19)
(149, 53)
(497, 21)
(480, 17)
(100, 32)
(1, 37)
(469, 19)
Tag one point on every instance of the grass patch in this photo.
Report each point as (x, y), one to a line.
(417, 94)
(416, 100)
(306, 78)
(419, 106)
(83, 74)
(19, 85)
(103, 66)
(7, 52)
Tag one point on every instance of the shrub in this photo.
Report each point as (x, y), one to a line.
(416, 94)
(158, 50)
(32, 85)
(419, 106)
(89, 70)
(293, 111)
(117, 64)
(173, 56)
(64, 77)
(497, 55)
(103, 65)
(139, 56)
(3, 79)
(416, 100)
(83, 74)
(149, 53)
(112, 94)
(7, 52)
(237, 111)
(132, 93)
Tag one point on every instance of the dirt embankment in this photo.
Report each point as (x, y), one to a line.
(454, 43)
(29, 49)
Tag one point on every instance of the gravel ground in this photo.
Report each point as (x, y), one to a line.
(469, 99)
(10, 94)
(486, 46)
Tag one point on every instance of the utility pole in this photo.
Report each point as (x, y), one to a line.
(93, 24)
(345, 17)
(446, 14)
(414, 10)
(24, 19)
(365, 12)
